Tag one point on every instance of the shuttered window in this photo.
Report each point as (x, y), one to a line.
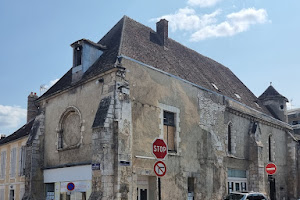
(22, 159)
(3, 164)
(13, 159)
(2, 194)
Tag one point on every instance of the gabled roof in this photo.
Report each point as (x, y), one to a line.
(141, 43)
(271, 93)
(22, 132)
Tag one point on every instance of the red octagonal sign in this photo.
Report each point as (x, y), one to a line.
(271, 168)
(159, 148)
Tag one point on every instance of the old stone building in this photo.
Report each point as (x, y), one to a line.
(97, 123)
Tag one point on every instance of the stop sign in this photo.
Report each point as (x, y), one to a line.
(271, 168)
(159, 148)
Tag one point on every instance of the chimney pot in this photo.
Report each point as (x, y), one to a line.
(162, 31)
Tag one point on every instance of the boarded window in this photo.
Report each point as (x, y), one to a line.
(170, 130)
(13, 160)
(3, 164)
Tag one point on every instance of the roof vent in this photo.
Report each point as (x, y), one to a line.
(162, 31)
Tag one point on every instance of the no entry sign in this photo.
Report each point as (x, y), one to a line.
(159, 148)
(160, 168)
(271, 168)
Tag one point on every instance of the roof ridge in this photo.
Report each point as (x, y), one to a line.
(122, 34)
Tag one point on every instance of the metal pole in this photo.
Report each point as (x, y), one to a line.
(159, 189)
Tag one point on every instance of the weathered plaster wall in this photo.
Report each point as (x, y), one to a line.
(202, 151)
(85, 98)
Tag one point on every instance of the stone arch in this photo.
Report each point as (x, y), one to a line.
(70, 129)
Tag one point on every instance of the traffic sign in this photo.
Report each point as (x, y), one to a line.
(71, 186)
(159, 148)
(160, 168)
(271, 168)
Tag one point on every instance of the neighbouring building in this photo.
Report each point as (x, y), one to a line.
(13, 156)
(95, 126)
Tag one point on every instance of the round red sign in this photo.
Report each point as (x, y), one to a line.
(159, 148)
(271, 168)
(71, 186)
(160, 168)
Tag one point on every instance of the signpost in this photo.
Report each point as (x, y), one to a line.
(271, 168)
(159, 149)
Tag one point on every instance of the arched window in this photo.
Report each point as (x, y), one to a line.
(270, 148)
(229, 138)
(69, 134)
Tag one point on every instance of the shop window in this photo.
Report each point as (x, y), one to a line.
(170, 130)
(237, 180)
(49, 187)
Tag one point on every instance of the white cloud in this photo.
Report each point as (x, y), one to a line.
(11, 117)
(186, 19)
(203, 3)
(45, 87)
(236, 23)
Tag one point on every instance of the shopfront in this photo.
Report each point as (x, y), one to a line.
(68, 183)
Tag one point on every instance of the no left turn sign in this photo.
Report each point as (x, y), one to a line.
(160, 168)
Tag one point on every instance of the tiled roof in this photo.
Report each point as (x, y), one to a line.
(23, 131)
(140, 42)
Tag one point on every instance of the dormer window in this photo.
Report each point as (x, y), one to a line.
(77, 55)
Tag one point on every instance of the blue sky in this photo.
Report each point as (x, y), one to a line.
(258, 40)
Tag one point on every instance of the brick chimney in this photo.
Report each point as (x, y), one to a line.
(162, 31)
(32, 108)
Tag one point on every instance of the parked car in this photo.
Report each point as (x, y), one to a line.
(246, 196)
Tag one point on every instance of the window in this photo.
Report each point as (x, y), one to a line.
(22, 160)
(13, 159)
(270, 148)
(77, 55)
(191, 188)
(170, 130)
(229, 149)
(237, 180)
(12, 195)
(3, 164)
(2, 194)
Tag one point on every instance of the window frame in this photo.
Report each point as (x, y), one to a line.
(177, 140)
